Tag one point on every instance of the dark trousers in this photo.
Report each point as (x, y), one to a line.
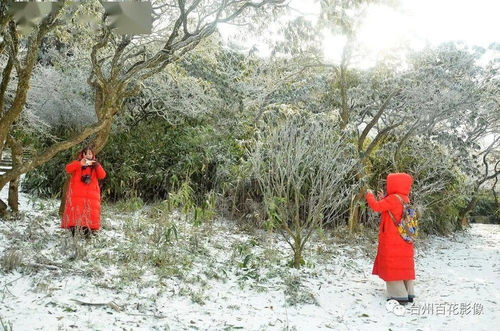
(87, 232)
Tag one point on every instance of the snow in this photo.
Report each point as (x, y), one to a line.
(207, 284)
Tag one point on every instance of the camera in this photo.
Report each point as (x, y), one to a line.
(86, 179)
(89, 163)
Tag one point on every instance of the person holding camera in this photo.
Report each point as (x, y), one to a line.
(82, 211)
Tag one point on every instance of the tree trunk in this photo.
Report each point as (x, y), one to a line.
(102, 138)
(354, 212)
(24, 76)
(463, 223)
(63, 196)
(106, 104)
(354, 207)
(3, 208)
(298, 261)
(465, 211)
(344, 109)
(13, 198)
(17, 159)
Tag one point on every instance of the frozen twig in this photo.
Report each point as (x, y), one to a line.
(111, 304)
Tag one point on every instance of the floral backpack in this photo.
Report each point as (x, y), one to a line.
(408, 227)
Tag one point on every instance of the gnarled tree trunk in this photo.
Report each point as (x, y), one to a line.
(354, 212)
(17, 159)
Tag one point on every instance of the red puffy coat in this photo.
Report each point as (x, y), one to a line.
(83, 201)
(394, 259)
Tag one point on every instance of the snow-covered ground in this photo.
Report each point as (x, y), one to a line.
(138, 276)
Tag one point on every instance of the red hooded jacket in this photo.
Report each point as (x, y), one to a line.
(395, 256)
(83, 201)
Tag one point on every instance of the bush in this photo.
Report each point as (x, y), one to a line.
(487, 209)
(10, 260)
(439, 187)
(149, 161)
(304, 169)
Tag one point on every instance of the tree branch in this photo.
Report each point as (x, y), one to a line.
(375, 119)
(50, 152)
(379, 136)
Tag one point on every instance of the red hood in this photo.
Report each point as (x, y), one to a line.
(399, 183)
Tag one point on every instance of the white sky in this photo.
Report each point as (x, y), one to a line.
(415, 22)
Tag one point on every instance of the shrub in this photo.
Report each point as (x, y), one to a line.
(10, 260)
(304, 169)
(487, 209)
(439, 186)
(147, 162)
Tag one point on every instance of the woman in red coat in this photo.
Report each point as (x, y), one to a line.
(82, 210)
(394, 262)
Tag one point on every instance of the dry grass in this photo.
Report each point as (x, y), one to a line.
(11, 260)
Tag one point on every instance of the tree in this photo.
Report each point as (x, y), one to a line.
(305, 171)
(490, 172)
(22, 54)
(120, 64)
(429, 98)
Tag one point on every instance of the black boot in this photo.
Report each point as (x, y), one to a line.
(401, 301)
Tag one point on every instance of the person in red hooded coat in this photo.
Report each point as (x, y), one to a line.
(394, 262)
(82, 210)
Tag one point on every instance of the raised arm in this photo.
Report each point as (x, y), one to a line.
(378, 206)
(72, 167)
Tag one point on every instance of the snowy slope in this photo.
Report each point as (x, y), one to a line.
(221, 277)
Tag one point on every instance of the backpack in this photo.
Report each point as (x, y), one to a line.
(408, 227)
